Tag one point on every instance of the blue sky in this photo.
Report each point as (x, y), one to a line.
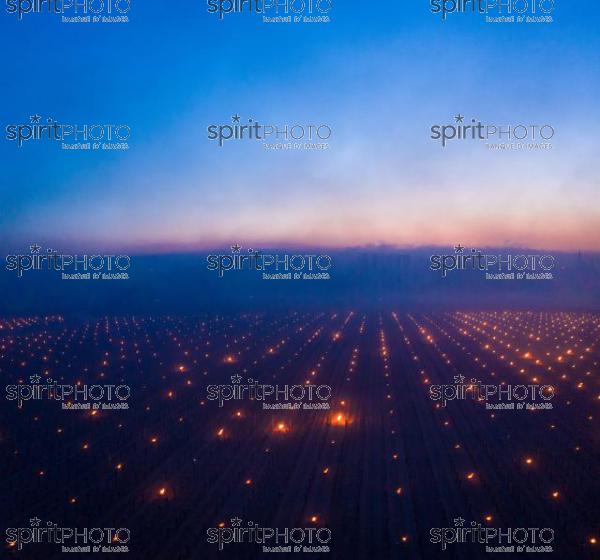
(380, 76)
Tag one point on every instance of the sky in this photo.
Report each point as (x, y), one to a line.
(379, 75)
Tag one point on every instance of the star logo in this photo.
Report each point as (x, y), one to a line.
(35, 248)
(35, 119)
(236, 118)
(34, 379)
(459, 379)
(236, 248)
(459, 118)
(236, 522)
(459, 522)
(35, 522)
(236, 379)
(459, 248)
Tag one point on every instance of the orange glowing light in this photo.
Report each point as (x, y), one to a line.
(489, 518)
(399, 490)
(73, 500)
(230, 359)
(119, 467)
(220, 432)
(556, 494)
(153, 439)
(339, 419)
(528, 461)
(471, 476)
(248, 482)
(314, 519)
(593, 540)
(404, 538)
(326, 471)
(162, 491)
(282, 428)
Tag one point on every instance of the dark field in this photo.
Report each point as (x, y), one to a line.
(380, 469)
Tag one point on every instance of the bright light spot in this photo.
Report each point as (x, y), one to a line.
(282, 428)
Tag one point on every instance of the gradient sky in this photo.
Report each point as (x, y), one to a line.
(380, 75)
